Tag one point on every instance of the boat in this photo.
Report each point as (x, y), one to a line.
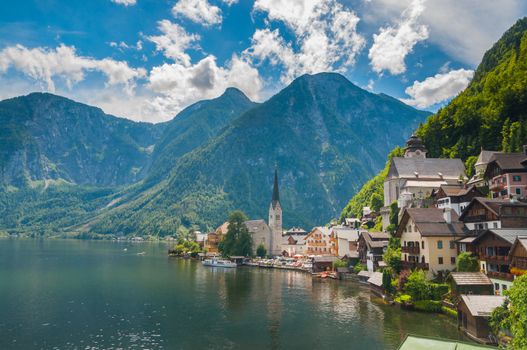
(218, 263)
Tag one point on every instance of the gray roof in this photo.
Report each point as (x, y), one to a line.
(364, 273)
(482, 305)
(254, 225)
(431, 222)
(427, 168)
(346, 233)
(508, 234)
(376, 279)
(470, 278)
(325, 258)
(299, 239)
(485, 156)
(376, 239)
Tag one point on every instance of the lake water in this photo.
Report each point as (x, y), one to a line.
(95, 295)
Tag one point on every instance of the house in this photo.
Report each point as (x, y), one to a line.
(200, 238)
(214, 238)
(347, 240)
(414, 342)
(473, 312)
(466, 244)
(485, 213)
(480, 167)
(493, 248)
(428, 238)
(412, 178)
(506, 174)
(320, 242)
(352, 222)
(470, 283)
(295, 231)
(371, 247)
(294, 244)
(518, 256)
(323, 263)
(456, 197)
(375, 282)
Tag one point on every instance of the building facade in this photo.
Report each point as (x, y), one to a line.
(506, 175)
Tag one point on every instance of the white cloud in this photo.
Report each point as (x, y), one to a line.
(179, 85)
(456, 26)
(46, 65)
(125, 2)
(230, 2)
(393, 43)
(438, 88)
(326, 37)
(199, 11)
(174, 41)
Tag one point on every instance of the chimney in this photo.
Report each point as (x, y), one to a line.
(447, 215)
(524, 149)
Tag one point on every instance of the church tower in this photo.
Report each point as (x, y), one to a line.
(275, 219)
(415, 148)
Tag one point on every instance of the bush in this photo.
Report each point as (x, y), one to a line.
(340, 263)
(428, 305)
(450, 312)
(359, 267)
(438, 290)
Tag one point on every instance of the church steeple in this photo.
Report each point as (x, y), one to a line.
(275, 218)
(276, 192)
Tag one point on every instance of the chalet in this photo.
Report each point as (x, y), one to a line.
(470, 283)
(412, 178)
(493, 248)
(321, 242)
(506, 174)
(214, 238)
(347, 240)
(480, 167)
(371, 247)
(473, 312)
(428, 239)
(294, 244)
(456, 197)
(489, 213)
(518, 256)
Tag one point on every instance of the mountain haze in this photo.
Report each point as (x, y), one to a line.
(325, 135)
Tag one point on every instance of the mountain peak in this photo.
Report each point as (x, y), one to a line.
(233, 92)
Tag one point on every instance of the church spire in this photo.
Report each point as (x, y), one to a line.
(276, 193)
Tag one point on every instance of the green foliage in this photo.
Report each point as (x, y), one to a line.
(376, 202)
(387, 281)
(359, 267)
(499, 320)
(467, 263)
(517, 318)
(420, 288)
(469, 165)
(238, 240)
(392, 258)
(394, 215)
(261, 251)
(428, 305)
(372, 189)
(449, 312)
(339, 263)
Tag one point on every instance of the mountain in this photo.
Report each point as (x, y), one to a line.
(491, 113)
(48, 137)
(194, 126)
(325, 135)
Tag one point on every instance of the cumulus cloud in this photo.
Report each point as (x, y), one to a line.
(179, 85)
(393, 43)
(125, 2)
(438, 88)
(199, 11)
(46, 65)
(174, 41)
(230, 2)
(326, 37)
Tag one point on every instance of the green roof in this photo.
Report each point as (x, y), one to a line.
(413, 342)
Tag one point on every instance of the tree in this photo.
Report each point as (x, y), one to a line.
(238, 240)
(376, 202)
(517, 318)
(417, 286)
(261, 251)
(467, 263)
(392, 255)
(469, 165)
(387, 280)
(394, 214)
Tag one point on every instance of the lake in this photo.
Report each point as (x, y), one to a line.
(69, 294)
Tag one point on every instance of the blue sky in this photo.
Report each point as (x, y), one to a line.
(147, 59)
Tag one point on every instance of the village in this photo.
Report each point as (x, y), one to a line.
(448, 244)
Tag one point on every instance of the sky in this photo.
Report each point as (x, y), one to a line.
(146, 60)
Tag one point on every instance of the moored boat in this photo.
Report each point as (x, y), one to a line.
(218, 263)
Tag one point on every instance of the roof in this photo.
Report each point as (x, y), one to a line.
(509, 161)
(299, 239)
(413, 342)
(325, 258)
(376, 239)
(468, 239)
(485, 156)
(422, 183)
(347, 233)
(431, 222)
(470, 278)
(296, 230)
(519, 241)
(276, 193)
(435, 168)
(376, 279)
(364, 273)
(482, 305)
(254, 225)
(492, 204)
(508, 234)
(223, 228)
(457, 190)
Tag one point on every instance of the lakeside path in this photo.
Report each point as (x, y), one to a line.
(76, 294)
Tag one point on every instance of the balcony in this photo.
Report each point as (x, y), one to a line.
(501, 275)
(498, 259)
(496, 186)
(409, 265)
(410, 250)
(476, 218)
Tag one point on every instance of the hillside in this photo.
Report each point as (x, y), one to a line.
(325, 135)
(48, 137)
(491, 113)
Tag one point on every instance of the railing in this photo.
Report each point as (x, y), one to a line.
(501, 259)
(410, 250)
(500, 275)
(475, 218)
(414, 265)
(496, 186)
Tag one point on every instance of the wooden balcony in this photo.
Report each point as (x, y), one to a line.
(409, 265)
(498, 259)
(410, 250)
(501, 275)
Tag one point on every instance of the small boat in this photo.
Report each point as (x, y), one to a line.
(218, 263)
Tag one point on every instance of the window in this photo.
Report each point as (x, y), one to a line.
(504, 286)
(422, 244)
(453, 260)
(495, 225)
(439, 244)
(496, 287)
(518, 190)
(452, 245)
(516, 178)
(440, 260)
